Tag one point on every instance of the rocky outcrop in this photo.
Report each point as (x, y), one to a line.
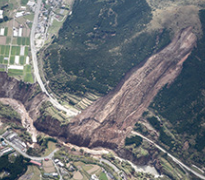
(109, 119)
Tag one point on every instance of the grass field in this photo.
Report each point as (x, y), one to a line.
(15, 50)
(12, 59)
(33, 172)
(26, 51)
(15, 72)
(23, 40)
(22, 60)
(50, 149)
(55, 27)
(24, 2)
(2, 70)
(103, 176)
(5, 61)
(6, 31)
(27, 69)
(4, 50)
(1, 59)
(29, 17)
(28, 77)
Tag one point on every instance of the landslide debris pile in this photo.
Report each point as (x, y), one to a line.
(106, 122)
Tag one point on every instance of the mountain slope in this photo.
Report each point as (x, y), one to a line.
(98, 44)
(108, 120)
(182, 104)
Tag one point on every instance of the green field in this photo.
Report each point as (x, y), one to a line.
(26, 51)
(23, 41)
(24, 2)
(22, 60)
(4, 50)
(15, 50)
(1, 59)
(6, 31)
(51, 147)
(15, 72)
(5, 61)
(2, 70)
(12, 60)
(27, 69)
(103, 176)
(28, 77)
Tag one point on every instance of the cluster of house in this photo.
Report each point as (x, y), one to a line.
(15, 140)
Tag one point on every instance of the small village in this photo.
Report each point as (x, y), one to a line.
(59, 164)
(15, 29)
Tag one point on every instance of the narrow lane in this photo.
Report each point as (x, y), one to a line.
(171, 156)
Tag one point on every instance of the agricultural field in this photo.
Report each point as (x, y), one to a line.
(15, 40)
(48, 167)
(85, 171)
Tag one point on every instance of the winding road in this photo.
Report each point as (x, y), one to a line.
(55, 103)
(172, 157)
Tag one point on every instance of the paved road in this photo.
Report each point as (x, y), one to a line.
(26, 155)
(172, 157)
(35, 64)
(110, 164)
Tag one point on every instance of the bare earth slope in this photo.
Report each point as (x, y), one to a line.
(18, 93)
(109, 119)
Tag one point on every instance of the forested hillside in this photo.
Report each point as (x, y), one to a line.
(183, 104)
(98, 44)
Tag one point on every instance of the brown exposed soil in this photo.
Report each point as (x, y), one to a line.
(26, 99)
(107, 122)
(26, 121)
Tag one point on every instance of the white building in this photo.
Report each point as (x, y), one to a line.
(94, 177)
(60, 164)
(20, 32)
(31, 3)
(2, 30)
(56, 160)
(19, 14)
(1, 14)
